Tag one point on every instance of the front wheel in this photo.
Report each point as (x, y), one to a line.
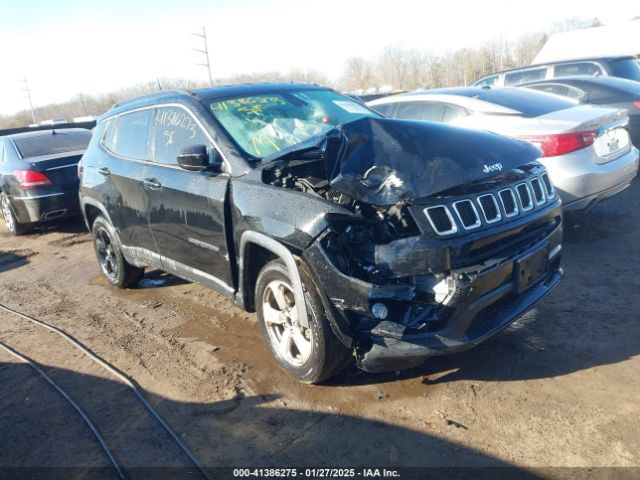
(115, 268)
(311, 354)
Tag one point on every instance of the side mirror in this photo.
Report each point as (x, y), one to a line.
(194, 158)
(197, 158)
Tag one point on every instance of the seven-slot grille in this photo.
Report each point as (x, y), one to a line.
(441, 219)
(508, 202)
(525, 197)
(548, 186)
(467, 214)
(537, 191)
(489, 208)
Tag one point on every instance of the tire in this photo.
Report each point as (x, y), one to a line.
(310, 355)
(10, 220)
(113, 265)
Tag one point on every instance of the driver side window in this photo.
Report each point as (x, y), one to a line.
(174, 129)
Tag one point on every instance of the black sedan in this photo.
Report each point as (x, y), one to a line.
(39, 176)
(609, 91)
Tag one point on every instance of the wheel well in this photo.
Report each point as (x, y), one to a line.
(91, 213)
(255, 257)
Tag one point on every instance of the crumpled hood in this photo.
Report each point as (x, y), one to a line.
(384, 161)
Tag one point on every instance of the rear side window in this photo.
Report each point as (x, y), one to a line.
(599, 93)
(384, 109)
(515, 78)
(128, 135)
(453, 113)
(487, 82)
(431, 111)
(174, 128)
(52, 143)
(625, 68)
(579, 68)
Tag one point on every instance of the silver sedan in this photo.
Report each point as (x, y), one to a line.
(586, 149)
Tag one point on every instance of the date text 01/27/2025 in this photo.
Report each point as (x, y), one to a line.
(315, 473)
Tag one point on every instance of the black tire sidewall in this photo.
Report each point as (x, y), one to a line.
(19, 228)
(101, 223)
(316, 368)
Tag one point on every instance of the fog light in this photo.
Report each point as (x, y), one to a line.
(380, 311)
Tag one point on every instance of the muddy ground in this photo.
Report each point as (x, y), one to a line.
(561, 387)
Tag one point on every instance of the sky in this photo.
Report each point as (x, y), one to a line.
(67, 47)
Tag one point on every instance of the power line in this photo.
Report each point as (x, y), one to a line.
(28, 96)
(205, 52)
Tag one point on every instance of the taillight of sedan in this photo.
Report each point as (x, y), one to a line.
(560, 143)
(31, 179)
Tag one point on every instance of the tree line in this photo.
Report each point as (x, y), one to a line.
(397, 66)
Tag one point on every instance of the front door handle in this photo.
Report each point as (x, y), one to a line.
(152, 184)
(104, 171)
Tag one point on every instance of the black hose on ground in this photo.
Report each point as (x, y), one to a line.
(77, 408)
(115, 372)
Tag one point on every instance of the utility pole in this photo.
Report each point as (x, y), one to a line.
(84, 105)
(28, 96)
(205, 52)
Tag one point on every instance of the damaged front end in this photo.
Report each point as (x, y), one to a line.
(447, 236)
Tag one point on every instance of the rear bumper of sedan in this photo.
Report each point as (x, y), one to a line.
(581, 182)
(42, 207)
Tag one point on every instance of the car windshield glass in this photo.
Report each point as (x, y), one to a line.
(52, 143)
(528, 102)
(626, 68)
(263, 125)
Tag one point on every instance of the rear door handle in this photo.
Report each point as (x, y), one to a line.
(104, 171)
(152, 184)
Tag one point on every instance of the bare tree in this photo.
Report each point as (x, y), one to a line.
(358, 73)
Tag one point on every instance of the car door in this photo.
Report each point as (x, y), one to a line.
(127, 139)
(187, 214)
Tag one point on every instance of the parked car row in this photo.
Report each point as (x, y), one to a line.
(604, 91)
(586, 149)
(38, 176)
(622, 67)
(391, 238)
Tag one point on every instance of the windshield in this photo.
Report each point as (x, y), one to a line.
(263, 125)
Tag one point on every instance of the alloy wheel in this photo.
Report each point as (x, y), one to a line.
(8, 215)
(106, 254)
(291, 341)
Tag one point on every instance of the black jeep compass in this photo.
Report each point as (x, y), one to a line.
(345, 231)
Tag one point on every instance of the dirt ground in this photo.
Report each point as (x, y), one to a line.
(560, 388)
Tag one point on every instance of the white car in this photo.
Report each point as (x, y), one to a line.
(586, 149)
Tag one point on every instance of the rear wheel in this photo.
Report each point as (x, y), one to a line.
(10, 220)
(311, 354)
(115, 268)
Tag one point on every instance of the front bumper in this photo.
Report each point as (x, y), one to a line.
(581, 182)
(41, 207)
(484, 296)
(395, 348)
